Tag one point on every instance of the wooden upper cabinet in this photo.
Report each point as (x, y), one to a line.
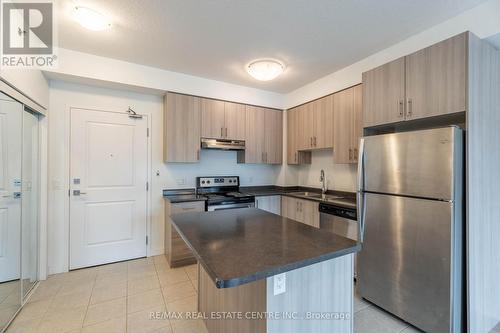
(315, 125)
(294, 156)
(273, 126)
(348, 124)
(384, 94)
(304, 130)
(436, 79)
(234, 121)
(222, 120)
(343, 122)
(430, 82)
(212, 118)
(291, 136)
(264, 136)
(322, 117)
(182, 115)
(357, 126)
(255, 136)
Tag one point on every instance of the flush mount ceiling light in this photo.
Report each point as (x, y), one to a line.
(265, 69)
(91, 19)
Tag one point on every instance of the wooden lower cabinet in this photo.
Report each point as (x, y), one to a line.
(177, 252)
(304, 211)
(247, 298)
(330, 290)
(271, 204)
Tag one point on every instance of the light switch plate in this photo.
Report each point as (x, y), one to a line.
(279, 284)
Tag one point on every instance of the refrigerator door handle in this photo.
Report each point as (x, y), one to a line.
(360, 195)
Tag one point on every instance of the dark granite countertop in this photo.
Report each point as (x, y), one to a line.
(184, 198)
(348, 199)
(182, 195)
(243, 245)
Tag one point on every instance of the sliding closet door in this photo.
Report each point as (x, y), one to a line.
(30, 194)
(11, 116)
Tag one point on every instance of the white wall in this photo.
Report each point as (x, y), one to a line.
(73, 65)
(65, 95)
(482, 20)
(30, 82)
(340, 177)
(216, 162)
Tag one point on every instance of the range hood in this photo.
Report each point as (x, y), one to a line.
(222, 144)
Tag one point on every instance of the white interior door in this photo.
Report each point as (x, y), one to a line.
(11, 114)
(109, 167)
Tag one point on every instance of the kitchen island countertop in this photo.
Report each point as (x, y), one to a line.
(239, 246)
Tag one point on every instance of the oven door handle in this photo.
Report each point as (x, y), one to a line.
(231, 206)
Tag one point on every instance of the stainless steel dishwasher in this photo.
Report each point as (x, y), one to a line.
(341, 221)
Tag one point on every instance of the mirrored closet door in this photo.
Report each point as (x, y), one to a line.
(11, 120)
(19, 197)
(29, 202)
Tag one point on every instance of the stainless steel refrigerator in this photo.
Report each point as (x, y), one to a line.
(410, 208)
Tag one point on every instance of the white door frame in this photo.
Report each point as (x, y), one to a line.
(67, 176)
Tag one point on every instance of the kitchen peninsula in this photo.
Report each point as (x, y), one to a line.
(242, 255)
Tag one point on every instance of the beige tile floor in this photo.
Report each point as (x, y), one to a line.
(120, 297)
(10, 299)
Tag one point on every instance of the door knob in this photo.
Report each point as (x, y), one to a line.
(78, 192)
(15, 195)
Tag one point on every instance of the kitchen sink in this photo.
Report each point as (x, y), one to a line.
(307, 194)
(317, 196)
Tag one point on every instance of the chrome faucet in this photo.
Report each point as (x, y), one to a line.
(322, 179)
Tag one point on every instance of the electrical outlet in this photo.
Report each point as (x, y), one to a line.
(279, 284)
(181, 181)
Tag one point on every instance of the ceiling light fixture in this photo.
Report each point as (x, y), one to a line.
(265, 69)
(91, 19)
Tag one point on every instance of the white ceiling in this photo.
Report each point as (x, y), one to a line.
(216, 38)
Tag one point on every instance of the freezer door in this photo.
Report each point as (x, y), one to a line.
(420, 163)
(408, 264)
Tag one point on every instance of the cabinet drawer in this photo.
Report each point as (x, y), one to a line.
(185, 207)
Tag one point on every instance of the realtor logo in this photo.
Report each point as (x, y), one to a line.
(27, 34)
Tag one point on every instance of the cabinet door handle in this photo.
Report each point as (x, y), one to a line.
(410, 107)
(401, 108)
(221, 132)
(311, 144)
(350, 154)
(355, 157)
(295, 156)
(226, 133)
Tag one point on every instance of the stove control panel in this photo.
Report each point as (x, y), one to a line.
(217, 181)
